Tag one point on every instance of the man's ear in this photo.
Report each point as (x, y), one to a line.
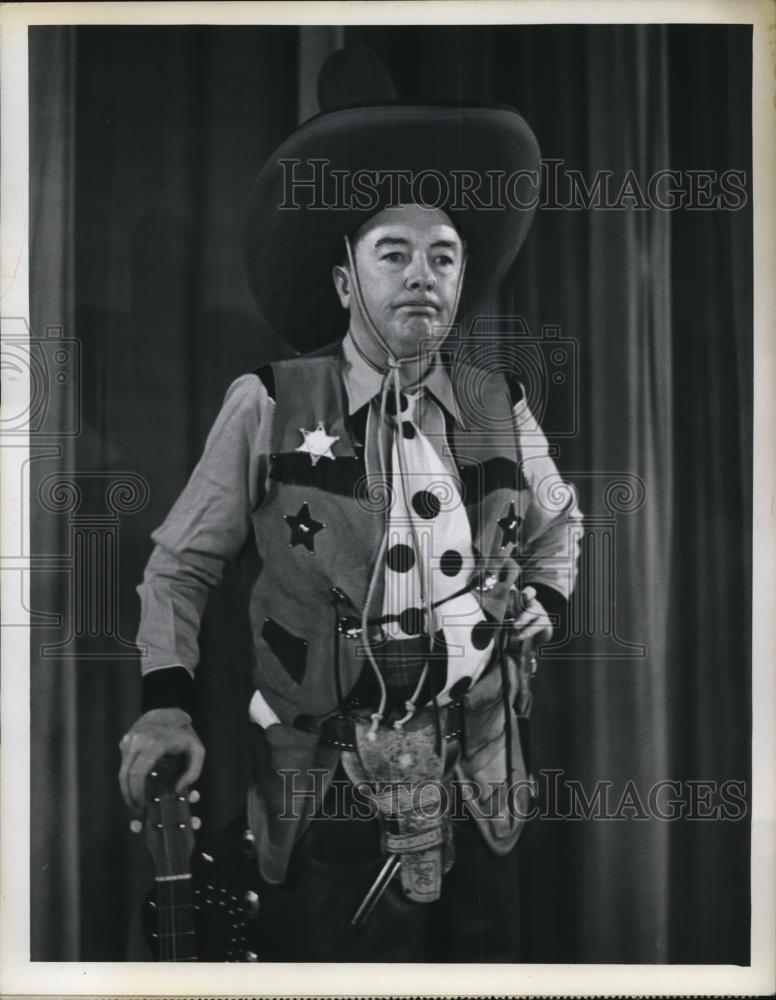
(341, 277)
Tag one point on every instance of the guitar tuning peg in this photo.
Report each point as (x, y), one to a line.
(136, 826)
(250, 904)
(194, 796)
(248, 844)
(196, 822)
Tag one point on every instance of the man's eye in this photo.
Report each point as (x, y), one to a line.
(394, 256)
(444, 261)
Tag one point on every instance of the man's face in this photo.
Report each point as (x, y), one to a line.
(409, 261)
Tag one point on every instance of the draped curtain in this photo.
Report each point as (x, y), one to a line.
(144, 143)
(54, 720)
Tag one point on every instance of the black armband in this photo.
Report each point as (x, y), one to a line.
(169, 687)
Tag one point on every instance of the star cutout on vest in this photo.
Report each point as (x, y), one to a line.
(317, 443)
(509, 524)
(303, 528)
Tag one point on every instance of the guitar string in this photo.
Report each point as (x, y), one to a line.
(168, 889)
(169, 923)
(175, 916)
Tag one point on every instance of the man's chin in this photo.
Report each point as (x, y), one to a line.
(415, 336)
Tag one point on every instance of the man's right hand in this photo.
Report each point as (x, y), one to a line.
(158, 732)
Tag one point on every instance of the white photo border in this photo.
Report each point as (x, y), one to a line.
(19, 976)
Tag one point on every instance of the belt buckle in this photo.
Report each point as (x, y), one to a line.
(339, 731)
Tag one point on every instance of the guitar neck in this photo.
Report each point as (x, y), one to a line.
(170, 840)
(175, 919)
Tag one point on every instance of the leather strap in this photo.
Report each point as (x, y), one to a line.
(340, 730)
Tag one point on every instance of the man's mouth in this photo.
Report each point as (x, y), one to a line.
(419, 305)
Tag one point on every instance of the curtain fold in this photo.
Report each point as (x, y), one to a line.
(136, 245)
(55, 873)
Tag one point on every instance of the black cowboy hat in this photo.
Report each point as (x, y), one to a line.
(365, 151)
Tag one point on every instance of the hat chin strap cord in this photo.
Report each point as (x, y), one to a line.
(392, 380)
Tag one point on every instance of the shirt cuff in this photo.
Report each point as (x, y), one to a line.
(168, 687)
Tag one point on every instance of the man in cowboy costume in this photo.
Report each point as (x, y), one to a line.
(410, 534)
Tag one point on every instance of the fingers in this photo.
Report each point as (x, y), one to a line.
(141, 752)
(130, 748)
(143, 758)
(534, 630)
(196, 758)
(527, 615)
(533, 619)
(124, 783)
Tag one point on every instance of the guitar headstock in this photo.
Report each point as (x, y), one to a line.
(168, 823)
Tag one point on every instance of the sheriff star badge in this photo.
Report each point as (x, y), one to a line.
(317, 444)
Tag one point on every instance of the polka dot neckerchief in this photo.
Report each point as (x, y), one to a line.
(422, 534)
(429, 557)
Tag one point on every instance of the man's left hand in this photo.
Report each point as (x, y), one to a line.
(533, 622)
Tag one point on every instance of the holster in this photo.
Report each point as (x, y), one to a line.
(401, 772)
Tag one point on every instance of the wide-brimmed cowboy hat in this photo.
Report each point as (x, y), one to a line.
(364, 151)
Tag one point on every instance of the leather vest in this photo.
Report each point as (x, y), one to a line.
(317, 535)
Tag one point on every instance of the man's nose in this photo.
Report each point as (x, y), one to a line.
(419, 275)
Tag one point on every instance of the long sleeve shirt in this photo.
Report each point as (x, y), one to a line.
(210, 521)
